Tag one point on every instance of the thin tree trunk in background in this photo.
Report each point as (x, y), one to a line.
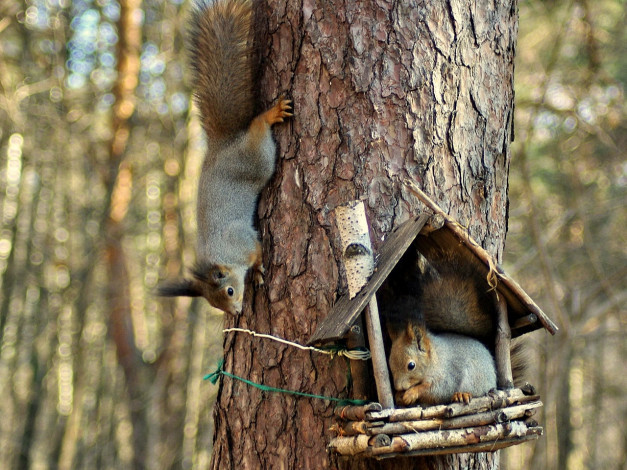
(119, 185)
(564, 400)
(382, 91)
(563, 408)
(623, 450)
(538, 457)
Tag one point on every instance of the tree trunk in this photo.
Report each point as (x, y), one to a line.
(382, 91)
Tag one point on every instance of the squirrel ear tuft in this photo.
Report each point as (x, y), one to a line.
(182, 287)
(212, 274)
(217, 275)
(411, 331)
(415, 332)
(419, 336)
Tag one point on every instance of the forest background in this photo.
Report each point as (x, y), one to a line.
(98, 176)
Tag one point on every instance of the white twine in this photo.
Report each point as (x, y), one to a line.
(357, 354)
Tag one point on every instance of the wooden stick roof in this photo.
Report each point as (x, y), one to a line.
(433, 232)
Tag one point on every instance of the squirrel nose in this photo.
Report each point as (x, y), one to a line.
(400, 385)
(236, 308)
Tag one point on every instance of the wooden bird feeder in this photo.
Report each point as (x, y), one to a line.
(378, 430)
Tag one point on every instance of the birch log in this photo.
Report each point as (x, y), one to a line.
(495, 399)
(359, 264)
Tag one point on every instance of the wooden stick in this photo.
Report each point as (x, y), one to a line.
(494, 400)
(504, 379)
(396, 450)
(377, 351)
(459, 437)
(349, 445)
(357, 257)
(431, 440)
(525, 321)
(359, 263)
(481, 419)
(467, 421)
(359, 369)
(380, 440)
(485, 257)
(354, 413)
(480, 447)
(350, 428)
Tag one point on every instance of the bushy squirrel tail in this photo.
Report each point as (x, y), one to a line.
(222, 59)
(519, 360)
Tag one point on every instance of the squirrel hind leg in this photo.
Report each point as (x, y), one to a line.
(259, 128)
(278, 112)
(256, 263)
(258, 273)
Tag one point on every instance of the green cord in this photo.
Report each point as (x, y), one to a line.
(214, 376)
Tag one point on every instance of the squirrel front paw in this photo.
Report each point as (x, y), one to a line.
(415, 394)
(462, 397)
(398, 397)
(410, 396)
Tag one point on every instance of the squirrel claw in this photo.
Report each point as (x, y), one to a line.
(258, 276)
(286, 107)
(279, 111)
(462, 397)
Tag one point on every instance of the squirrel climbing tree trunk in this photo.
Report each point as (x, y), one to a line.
(382, 91)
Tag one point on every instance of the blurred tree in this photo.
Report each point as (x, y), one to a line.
(566, 243)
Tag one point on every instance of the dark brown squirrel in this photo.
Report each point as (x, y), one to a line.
(240, 158)
(454, 296)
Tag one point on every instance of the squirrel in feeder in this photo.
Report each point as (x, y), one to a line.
(432, 368)
(240, 158)
(441, 318)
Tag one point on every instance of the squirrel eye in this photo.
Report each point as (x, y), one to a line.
(230, 292)
(411, 365)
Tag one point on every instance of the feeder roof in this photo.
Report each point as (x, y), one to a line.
(428, 233)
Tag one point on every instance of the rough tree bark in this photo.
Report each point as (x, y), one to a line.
(382, 91)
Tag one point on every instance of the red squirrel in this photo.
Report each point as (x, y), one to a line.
(429, 368)
(240, 158)
(440, 317)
